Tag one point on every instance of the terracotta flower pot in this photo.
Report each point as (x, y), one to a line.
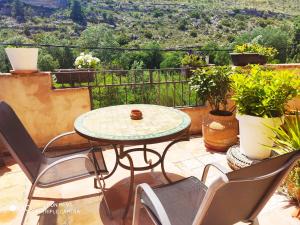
(243, 59)
(220, 131)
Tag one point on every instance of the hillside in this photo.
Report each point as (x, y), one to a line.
(169, 22)
(134, 23)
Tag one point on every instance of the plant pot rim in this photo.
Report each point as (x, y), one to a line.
(21, 48)
(224, 111)
(239, 116)
(82, 69)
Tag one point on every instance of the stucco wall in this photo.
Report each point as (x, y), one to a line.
(44, 112)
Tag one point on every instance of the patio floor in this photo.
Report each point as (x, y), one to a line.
(184, 159)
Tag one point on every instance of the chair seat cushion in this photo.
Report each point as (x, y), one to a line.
(181, 200)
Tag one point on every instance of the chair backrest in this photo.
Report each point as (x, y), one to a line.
(243, 193)
(18, 142)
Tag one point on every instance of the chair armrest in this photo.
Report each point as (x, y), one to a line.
(219, 167)
(160, 211)
(57, 138)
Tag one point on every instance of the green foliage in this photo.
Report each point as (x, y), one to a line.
(195, 14)
(262, 92)
(100, 36)
(148, 34)
(46, 62)
(123, 39)
(77, 14)
(256, 48)
(287, 137)
(217, 57)
(64, 56)
(183, 25)
(295, 49)
(171, 60)
(212, 84)
(157, 13)
(4, 66)
(192, 60)
(193, 34)
(276, 37)
(152, 57)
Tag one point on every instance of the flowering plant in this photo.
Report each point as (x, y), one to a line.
(86, 61)
(256, 48)
(193, 60)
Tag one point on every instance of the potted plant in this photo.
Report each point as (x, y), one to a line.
(85, 70)
(220, 127)
(190, 62)
(261, 95)
(252, 53)
(287, 139)
(23, 60)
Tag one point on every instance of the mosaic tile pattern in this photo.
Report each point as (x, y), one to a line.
(114, 122)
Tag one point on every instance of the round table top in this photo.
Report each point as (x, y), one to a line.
(113, 124)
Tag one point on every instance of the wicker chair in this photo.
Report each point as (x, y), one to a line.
(43, 171)
(235, 196)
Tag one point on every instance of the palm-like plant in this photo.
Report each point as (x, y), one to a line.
(287, 139)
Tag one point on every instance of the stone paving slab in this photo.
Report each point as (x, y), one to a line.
(184, 159)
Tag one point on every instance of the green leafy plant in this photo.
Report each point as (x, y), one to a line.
(263, 92)
(192, 60)
(287, 139)
(86, 61)
(212, 84)
(256, 48)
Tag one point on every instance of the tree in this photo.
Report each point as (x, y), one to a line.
(77, 14)
(171, 60)
(46, 62)
(18, 11)
(64, 56)
(100, 37)
(123, 39)
(276, 37)
(4, 65)
(215, 55)
(152, 57)
(295, 48)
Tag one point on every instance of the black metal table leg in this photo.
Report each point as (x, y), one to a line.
(122, 154)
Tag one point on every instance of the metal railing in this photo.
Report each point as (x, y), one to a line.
(169, 87)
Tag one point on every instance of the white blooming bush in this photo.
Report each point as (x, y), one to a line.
(86, 61)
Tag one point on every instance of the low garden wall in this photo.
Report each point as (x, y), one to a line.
(47, 112)
(44, 112)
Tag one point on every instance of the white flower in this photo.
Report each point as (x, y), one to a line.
(86, 61)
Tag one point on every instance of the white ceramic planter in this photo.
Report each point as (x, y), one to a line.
(23, 58)
(255, 135)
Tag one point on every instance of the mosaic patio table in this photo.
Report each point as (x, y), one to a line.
(113, 125)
